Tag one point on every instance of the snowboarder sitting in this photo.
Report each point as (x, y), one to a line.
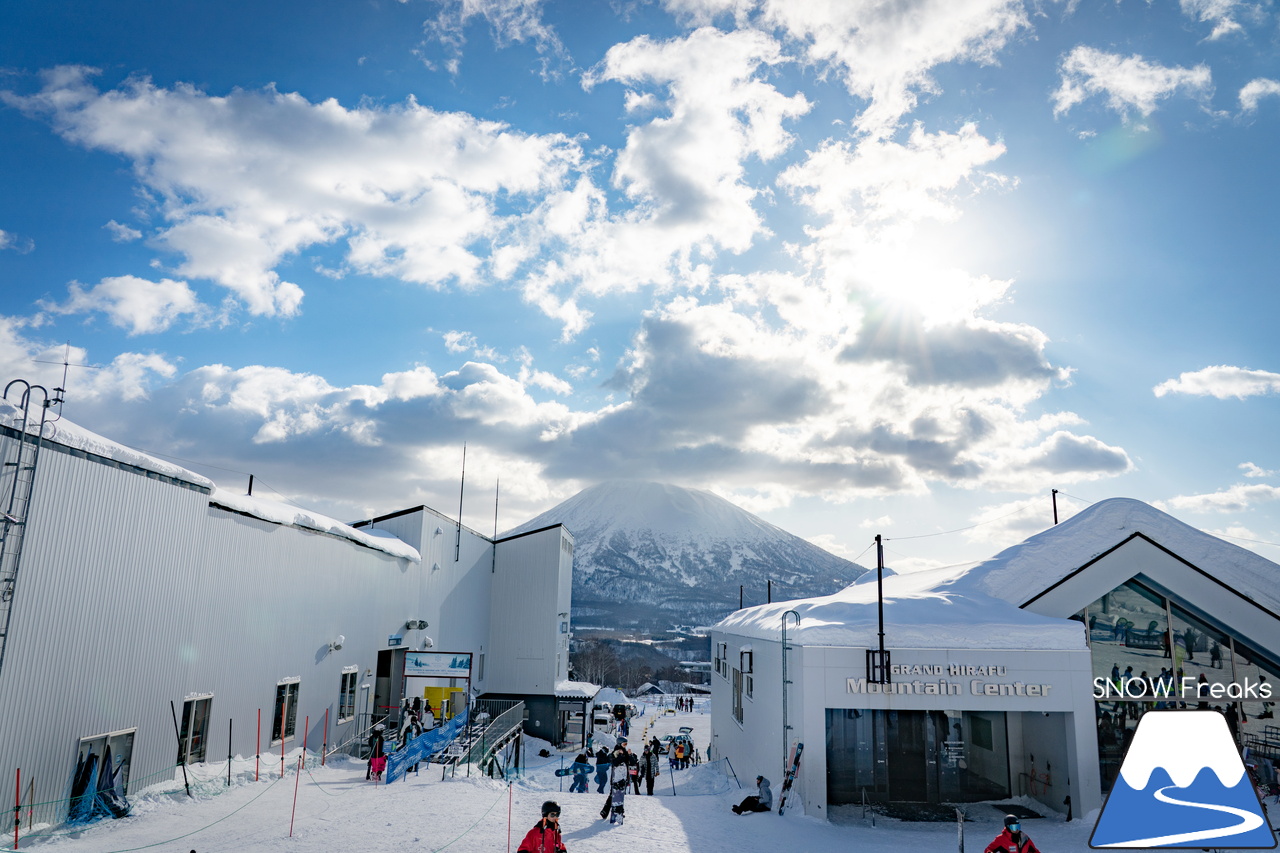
(762, 801)
(1013, 839)
(545, 835)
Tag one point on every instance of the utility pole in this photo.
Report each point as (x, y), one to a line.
(878, 661)
(1055, 506)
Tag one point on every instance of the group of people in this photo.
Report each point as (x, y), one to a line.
(415, 718)
(684, 703)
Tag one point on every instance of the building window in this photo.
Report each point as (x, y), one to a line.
(347, 694)
(285, 718)
(747, 662)
(722, 659)
(480, 668)
(195, 729)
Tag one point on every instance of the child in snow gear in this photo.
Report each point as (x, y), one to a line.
(377, 749)
(545, 835)
(1013, 839)
(762, 801)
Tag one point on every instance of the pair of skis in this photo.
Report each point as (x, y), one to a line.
(790, 777)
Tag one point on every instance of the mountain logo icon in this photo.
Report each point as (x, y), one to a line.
(1183, 784)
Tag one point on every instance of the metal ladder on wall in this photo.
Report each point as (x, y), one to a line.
(19, 452)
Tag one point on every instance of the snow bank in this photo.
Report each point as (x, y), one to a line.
(922, 610)
(281, 513)
(73, 435)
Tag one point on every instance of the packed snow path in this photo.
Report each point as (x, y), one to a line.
(338, 810)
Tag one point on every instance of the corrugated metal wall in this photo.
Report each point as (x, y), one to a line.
(134, 592)
(529, 650)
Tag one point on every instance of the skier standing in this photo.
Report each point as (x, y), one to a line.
(1013, 839)
(545, 835)
(412, 728)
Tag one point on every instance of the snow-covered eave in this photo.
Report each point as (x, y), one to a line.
(88, 444)
(291, 516)
(576, 690)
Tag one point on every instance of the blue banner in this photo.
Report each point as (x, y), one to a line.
(423, 747)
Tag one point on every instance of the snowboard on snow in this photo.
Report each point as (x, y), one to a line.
(790, 777)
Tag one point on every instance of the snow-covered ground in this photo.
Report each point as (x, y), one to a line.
(337, 810)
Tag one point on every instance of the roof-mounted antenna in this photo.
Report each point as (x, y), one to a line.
(59, 396)
(457, 545)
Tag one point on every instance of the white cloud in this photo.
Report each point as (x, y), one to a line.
(458, 342)
(683, 170)
(131, 303)
(1253, 471)
(1255, 90)
(1002, 525)
(1222, 381)
(21, 245)
(248, 179)
(1237, 498)
(1127, 82)
(886, 51)
(510, 22)
(1222, 14)
(122, 233)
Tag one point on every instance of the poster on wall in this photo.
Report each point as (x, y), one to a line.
(437, 664)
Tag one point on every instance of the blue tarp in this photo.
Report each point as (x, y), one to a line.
(423, 747)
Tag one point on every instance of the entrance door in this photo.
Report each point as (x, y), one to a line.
(195, 730)
(907, 748)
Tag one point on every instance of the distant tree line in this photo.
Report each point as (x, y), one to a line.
(599, 662)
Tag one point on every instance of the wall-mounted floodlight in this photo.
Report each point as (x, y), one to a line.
(427, 643)
(337, 642)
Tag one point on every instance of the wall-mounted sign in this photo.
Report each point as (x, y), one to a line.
(395, 640)
(437, 664)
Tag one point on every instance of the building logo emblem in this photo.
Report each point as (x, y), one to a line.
(1183, 784)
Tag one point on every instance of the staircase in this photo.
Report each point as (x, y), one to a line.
(19, 452)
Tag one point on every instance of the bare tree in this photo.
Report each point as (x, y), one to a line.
(595, 661)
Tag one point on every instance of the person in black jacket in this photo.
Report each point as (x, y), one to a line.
(649, 768)
(603, 763)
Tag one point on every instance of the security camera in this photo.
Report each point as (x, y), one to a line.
(427, 642)
(337, 643)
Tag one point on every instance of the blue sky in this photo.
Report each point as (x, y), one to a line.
(862, 268)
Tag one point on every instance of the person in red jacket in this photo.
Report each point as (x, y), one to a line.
(1013, 839)
(545, 835)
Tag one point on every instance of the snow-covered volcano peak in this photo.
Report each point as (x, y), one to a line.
(642, 545)
(1183, 743)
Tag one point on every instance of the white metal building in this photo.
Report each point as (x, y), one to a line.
(140, 584)
(999, 673)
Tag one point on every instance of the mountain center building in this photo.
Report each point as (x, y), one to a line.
(1022, 676)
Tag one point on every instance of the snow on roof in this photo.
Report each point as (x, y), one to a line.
(576, 689)
(1019, 573)
(977, 606)
(281, 513)
(73, 435)
(922, 610)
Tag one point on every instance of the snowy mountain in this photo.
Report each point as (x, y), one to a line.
(654, 555)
